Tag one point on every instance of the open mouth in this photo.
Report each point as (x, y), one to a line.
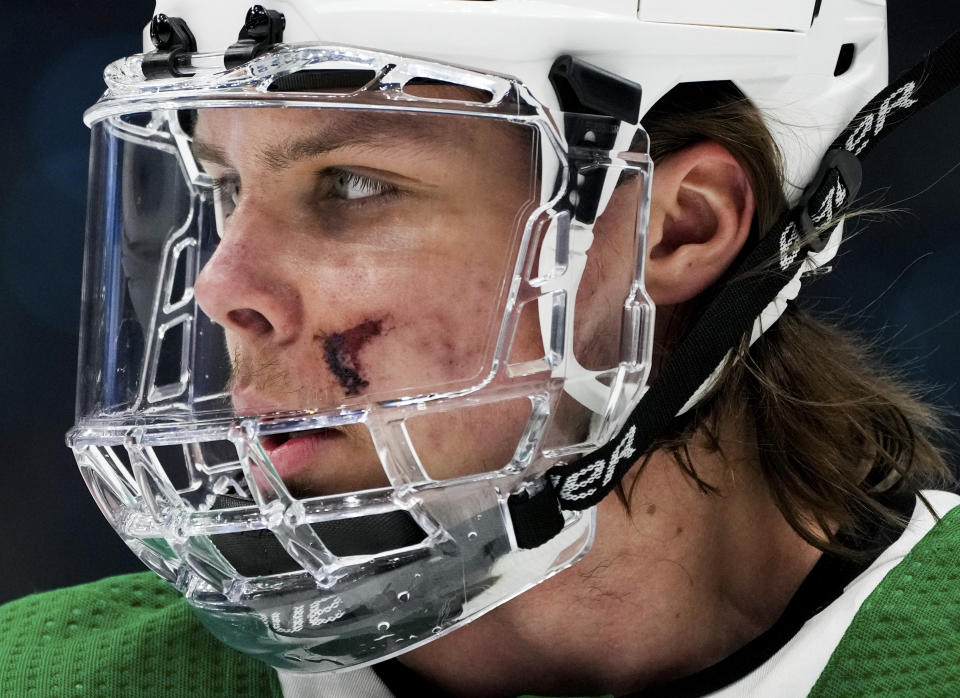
(295, 453)
(327, 461)
(272, 442)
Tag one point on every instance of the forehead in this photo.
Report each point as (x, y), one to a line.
(240, 129)
(278, 136)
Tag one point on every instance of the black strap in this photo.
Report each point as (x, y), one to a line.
(937, 74)
(258, 552)
(733, 309)
(536, 517)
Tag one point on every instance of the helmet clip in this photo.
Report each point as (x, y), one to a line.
(850, 173)
(172, 37)
(590, 95)
(262, 29)
(583, 88)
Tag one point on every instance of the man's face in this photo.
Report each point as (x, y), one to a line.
(365, 254)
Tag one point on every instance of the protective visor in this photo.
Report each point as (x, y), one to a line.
(339, 308)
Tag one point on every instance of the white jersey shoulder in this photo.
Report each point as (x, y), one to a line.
(793, 671)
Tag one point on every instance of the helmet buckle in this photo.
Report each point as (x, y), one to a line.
(262, 29)
(850, 174)
(172, 37)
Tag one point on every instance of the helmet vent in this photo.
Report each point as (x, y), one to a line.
(324, 80)
(432, 88)
(844, 59)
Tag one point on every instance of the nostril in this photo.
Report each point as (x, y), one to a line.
(249, 320)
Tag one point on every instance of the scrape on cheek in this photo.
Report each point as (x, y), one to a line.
(341, 350)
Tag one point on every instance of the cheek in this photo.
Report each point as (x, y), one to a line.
(606, 282)
(444, 308)
(433, 339)
(440, 302)
(469, 440)
(597, 320)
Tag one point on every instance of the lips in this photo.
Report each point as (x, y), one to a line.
(295, 453)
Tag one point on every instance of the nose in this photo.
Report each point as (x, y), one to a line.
(245, 286)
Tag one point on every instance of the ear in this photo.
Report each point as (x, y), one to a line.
(701, 211)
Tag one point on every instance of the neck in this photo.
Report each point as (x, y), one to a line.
(674, 585)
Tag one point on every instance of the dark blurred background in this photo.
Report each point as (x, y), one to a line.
(898, 283)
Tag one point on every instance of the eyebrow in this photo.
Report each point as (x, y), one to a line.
(359, 130)
(209, 153)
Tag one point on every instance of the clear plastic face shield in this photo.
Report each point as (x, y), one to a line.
(339, 306)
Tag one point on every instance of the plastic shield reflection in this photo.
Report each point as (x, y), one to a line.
(328, 340)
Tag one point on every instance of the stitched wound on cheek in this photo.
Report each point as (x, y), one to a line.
(340, 351)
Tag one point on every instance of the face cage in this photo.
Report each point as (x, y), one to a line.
(344, 580)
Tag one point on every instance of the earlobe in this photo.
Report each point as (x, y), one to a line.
(701, 213)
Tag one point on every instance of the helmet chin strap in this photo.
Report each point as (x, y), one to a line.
(803, 240)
